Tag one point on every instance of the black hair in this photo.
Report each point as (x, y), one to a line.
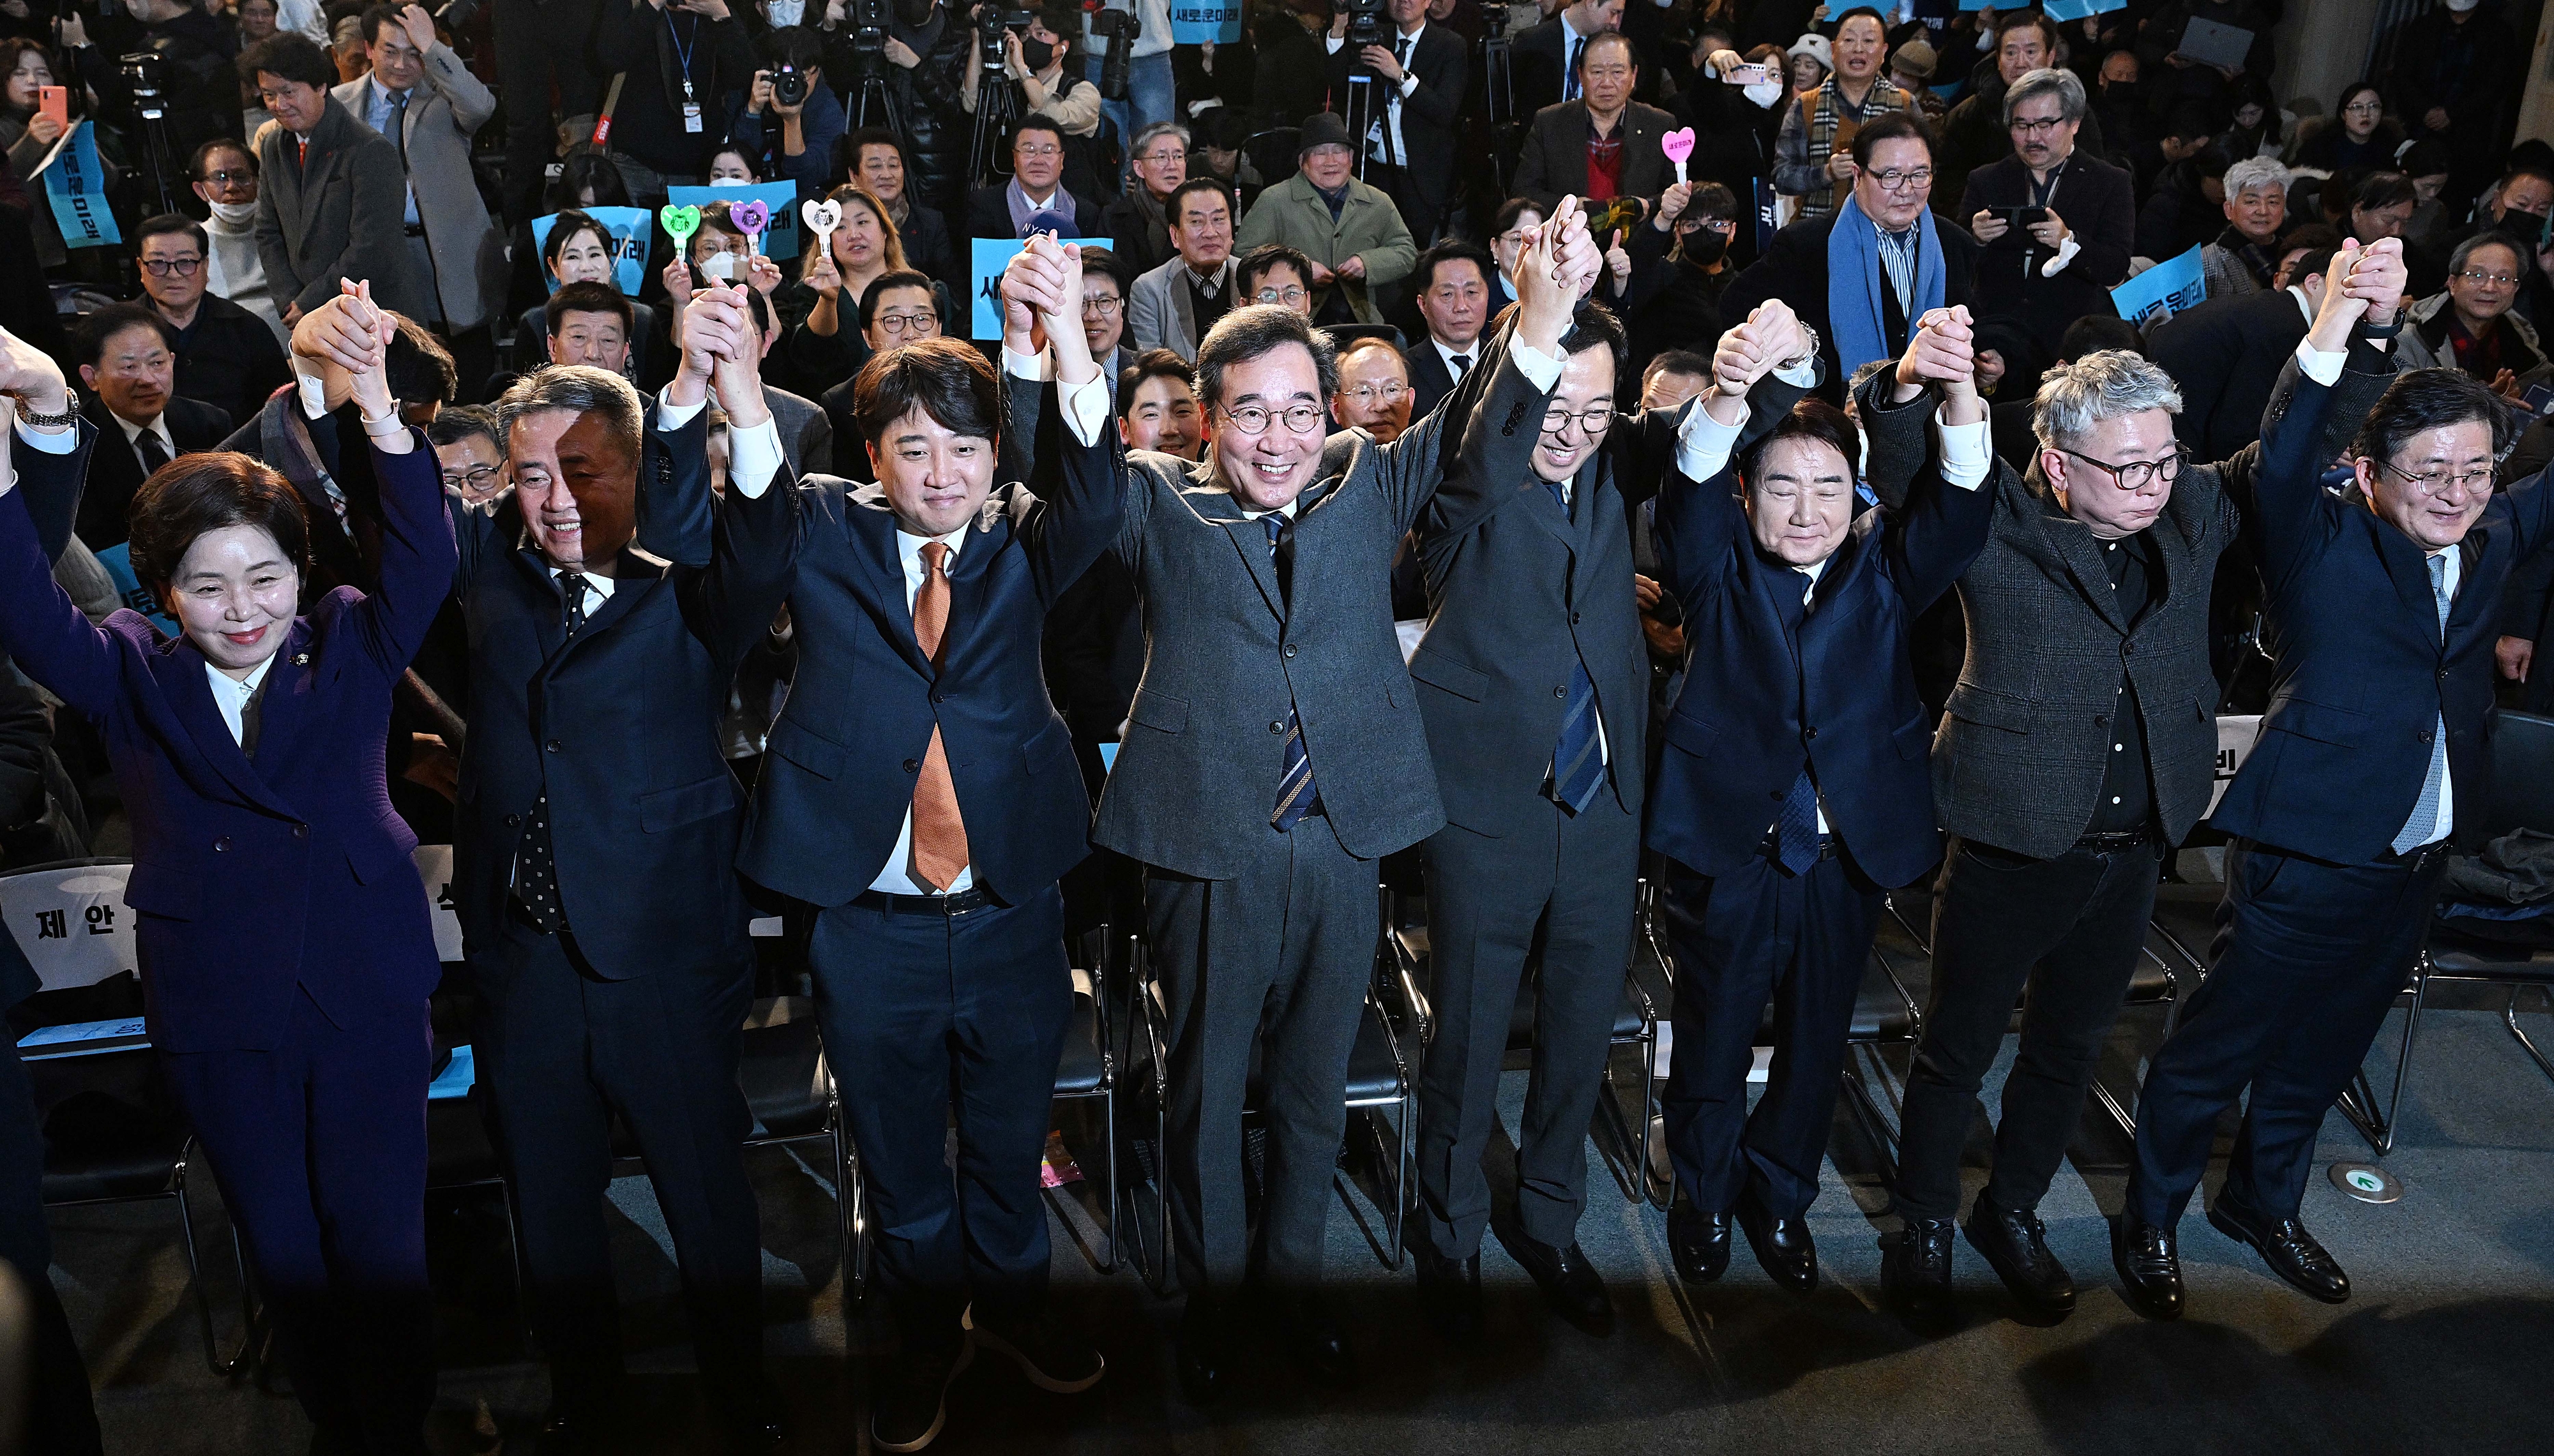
(419, 368)
(791, 46)
(1864, 10)
(1253, 330)
(2011, 21)
(463, 421)
(585, 298)
(1811, 419)
(1712, 201)
(377, 16)
(88, 341)
(1038, 121)
(1597, 326)
(2426, 158)
(1105, 260)
(291, 55)
(866, 137)
(1898, 126)
(588, 172)
(204, 154)
(210, 491)
(1173, 206)
(2095, 332)
(2425, 399)
(887, 282)
(1512, 209)
(1149, 365)
(1675, 360)
(1587, 48)
(1423, 274)
(2385, 189)
(563, 230)
(947, 380)
(169, 223)
(1256, 263)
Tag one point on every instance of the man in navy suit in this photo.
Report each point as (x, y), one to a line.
(596, 840)
(2375, 760)
(1036, 187)
(1793, 789)
(921, 793)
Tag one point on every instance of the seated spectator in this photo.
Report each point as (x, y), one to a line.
(227, 356)
(820, 353)
(1105, 285)
(579, 250)
(223, 175)
(875, 159)
(1673, 378)
(472, 454)
(2470, 325)
(732, 164)
(27, 134)
(1036, 187)
(1453, 283)
(1138, 224)
(2044, 275)
(1275, 274)
(2380, 206)
(331, 193)
(2429, 165)
(2119, 108)
(1508, 228)
(1681, 269)
(1221, 134)
(1811, 159)
(1602, 144)
(2227, 354)
(588, 323)
(1173, 304)
(2358, 134)
(1373, 392)
(128, 357)
(795, 143)
(2244, 256)
(896, 308)
(2187, 207)
(1352, 234)
(1860, 274)
(1157, 406)
(2258, 125)
(2517, 206)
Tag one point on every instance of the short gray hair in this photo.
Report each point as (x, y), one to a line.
(579, 389)
(2255, 171)
(2488, 237)
(2104, 385)
(1154, 133)
(1258, 329)
(2065, 85)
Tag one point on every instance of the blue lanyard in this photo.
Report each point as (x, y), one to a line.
(682, 52)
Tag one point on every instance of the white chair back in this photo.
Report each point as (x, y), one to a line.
(71, 922)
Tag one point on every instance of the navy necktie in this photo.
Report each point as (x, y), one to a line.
(1296, 794)
(1579, 758)
(1796, 833)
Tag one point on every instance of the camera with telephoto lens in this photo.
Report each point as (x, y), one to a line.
(1366, 23)
(993, 19)
(868, 27)
(146, 77)
(1494, 21)
(789, 85)
(1121, 30)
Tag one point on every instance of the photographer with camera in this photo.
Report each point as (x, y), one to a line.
(1035, 45)
(790, 119)
(683, 59)
(1415, 74)
(919, 49)
(1128, 57)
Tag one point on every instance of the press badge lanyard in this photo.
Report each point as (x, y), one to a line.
(683, 59)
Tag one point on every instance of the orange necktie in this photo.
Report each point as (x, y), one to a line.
(939, 835)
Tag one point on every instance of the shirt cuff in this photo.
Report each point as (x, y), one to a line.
(671, 416)
(315, 394)
(1802, 376)
(1330, 44)
(1036, 368)
(1966, 452)
(58, 443)
(2322, 368)
(1541, 369)
(1086, 407)
(2066, 251)
(1409, 82)
(754, 456)
(1704, 443)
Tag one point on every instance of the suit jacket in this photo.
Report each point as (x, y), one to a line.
(1161, 315)
(989, 213)
(1430, 378)
(115, 470)
(837, 780)
(228, 358)
(2227, 355)
(1227, 655)
(2362, 678)
(446, 108)
(1760, 701)
(806, 432)
(1130, 235)
(1430, 115)
(1368, 226)
(618, 727)
(338, 213)
(1554, 159)
(1795, 269)
(1536, 62)
(258, 878)
(2099, 209)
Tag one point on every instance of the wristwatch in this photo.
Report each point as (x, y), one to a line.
(70, 416)
(1806, 355)
(2368, 330)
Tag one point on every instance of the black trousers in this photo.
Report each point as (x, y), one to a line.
(1278, 957)
(60, 1418)
(538, 40)
(920, 1013)
(561, 1052)
(2063, 934)
(2309, 956)
(1754, 934)
(1562, 883)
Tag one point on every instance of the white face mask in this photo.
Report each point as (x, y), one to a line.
(719, 265)
(234, 214)
(785, 12)
(1764, 93)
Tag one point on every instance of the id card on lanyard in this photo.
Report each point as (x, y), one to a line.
(683, 64)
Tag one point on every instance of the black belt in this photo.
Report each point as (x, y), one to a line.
(2417, 858)
(2113, 840)
(1772, 848)
(941, 905)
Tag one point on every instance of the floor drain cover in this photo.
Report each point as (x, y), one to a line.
(2366, 1181)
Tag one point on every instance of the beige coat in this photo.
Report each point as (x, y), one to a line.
(447, 106)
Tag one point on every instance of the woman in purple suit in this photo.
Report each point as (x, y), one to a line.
(284, 950)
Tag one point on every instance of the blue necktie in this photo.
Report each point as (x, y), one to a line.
(1796, 833)
(1296, 794)
(2423, 826)
(1578, 760)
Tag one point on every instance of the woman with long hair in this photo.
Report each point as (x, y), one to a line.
(2358, 133)
(29, 135)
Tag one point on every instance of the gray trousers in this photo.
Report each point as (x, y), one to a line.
(1279, 956)
(1565, 881)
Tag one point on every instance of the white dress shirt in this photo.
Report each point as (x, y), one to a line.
(1445, 352)
(234, 695)
(1375, 135)
(158, 429)
(899, 878)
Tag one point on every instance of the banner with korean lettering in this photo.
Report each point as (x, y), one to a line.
(76, 186)
(632, 230)
(992, 255)
(2066, 10)
(1205, 21)
(781, 240)
(2175, 286)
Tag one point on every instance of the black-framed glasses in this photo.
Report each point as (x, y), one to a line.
(1595, 419)
(1897, 178)
(1253, 419)
(160, 268)
(2136, 474)
(1102, 304)
(2034, 127)
(2474, 482)
(474, 479)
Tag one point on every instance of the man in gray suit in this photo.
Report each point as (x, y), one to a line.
(422, 97)
(1273, 754)
(1174, 306)
(329, 196)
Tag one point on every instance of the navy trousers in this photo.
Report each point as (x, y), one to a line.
(2309, 956)
(1756, 933)
(920, 1013)
(62, 1421)
(319, 1148)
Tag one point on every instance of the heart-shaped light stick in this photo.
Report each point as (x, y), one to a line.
(1678, 144)
(822, 218)
(750, 218)
(680, 223)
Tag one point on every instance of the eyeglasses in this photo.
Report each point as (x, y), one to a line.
(1174, 153)
(2136, 474)
(1251, 420)
(2472, 482)
(1288, 296)
(1593, 420)
(918, 324)
(1037, 151)
(473, 479)
(160, 268)
(2035, 127)
(1104, 306)
(226, 178)
(1388, 391)
(1514, 239)
(2496, 280)
(1898, 179)
(2363, 108)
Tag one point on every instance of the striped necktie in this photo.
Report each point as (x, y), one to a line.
(1296, 794)
(1579, 758)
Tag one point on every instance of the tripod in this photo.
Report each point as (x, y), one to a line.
(998, 105)
(1363, 112)
(871, 103)
(1498, 100)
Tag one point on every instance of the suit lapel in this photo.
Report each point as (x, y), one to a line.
(882, 565)
(971, 577)
(181, 676)
(2072, 542)
(283, 704)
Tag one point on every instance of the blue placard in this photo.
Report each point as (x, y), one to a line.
(2065, 9)
(118, 561)
(2174, 285)
(457, 1076)
(1205, 21)
(628, 227)
(992, 255)
(76, 186)
(781, 240)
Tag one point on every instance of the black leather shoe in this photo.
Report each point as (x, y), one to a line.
(1450, 1294)
(2148, 1260)
(1569, 1282)
(1700, 1242)
(2286, 1245)
(1205, 1359)
(2016, 1245)
(1915, 1269)
(910, 1401)
(1316, 1338)
(1050, 1353)
(1781, 1245)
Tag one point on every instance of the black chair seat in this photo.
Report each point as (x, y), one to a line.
(1374, 1071)
(1083, 1069)
(2456, 955)
(111, 1129)
(778, 1066)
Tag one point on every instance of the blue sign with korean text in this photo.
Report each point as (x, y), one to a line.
(76, 186)
(2174, 285)
(1205, 21)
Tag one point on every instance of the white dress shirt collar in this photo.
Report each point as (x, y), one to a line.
(233, 695)
(158, 429)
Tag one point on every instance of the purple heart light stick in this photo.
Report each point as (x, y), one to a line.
(1678, 144)
(750, 218)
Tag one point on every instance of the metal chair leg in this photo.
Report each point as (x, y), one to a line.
(2359, 1101)
(1109, 1116)
(2509, 1018)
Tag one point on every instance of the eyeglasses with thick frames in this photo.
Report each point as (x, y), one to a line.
(1253, 419)
(1595, 419)
(226, 178)
(474, 479)
(1102, 304)
(160, 268)
(1897, 179)
(917, 324)
(2034, 127)
(2136, 474)
(2472, 482)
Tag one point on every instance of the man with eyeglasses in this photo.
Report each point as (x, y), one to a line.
(2044, 268)
(227, 356)
(1271, 758)
(1173, 304)
(420, 96)
(127, 357)
(223, 176)
(1138, 223)
(1104, 281)
(1274, 274)
(1036, 189)
(1373, 394)
(896, 308)
(1973, 134)
(2471, 326)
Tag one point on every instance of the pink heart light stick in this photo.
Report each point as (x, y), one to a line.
(750, 218)
(1678, 144)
